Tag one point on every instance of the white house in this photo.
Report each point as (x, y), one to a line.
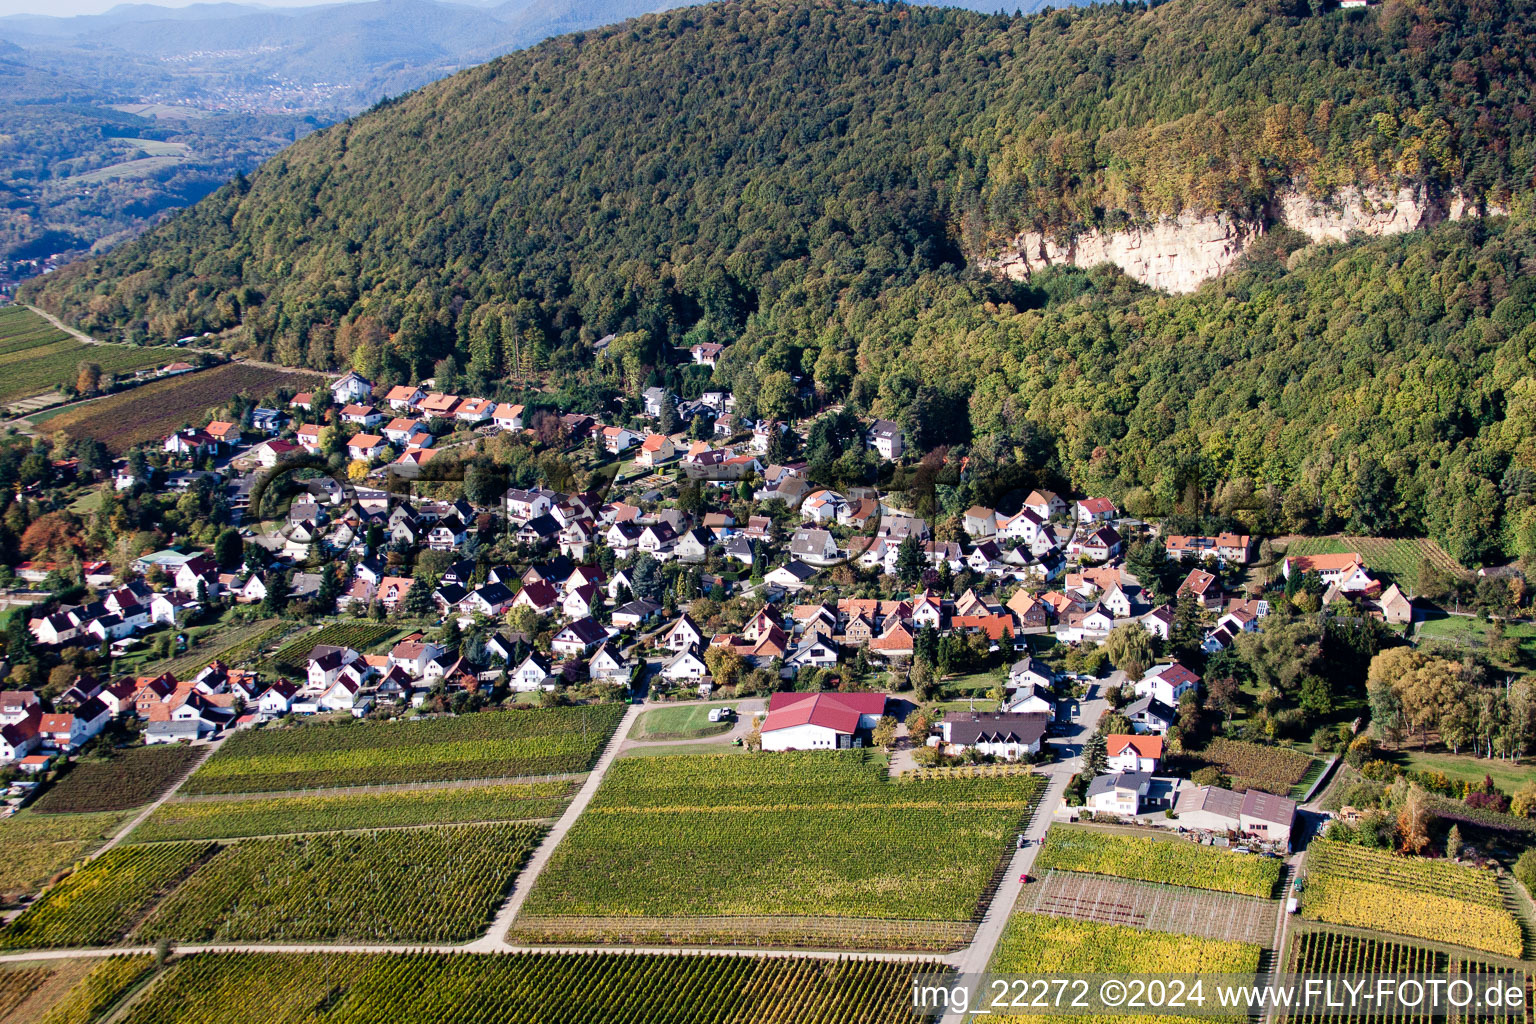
(1134, 753)
(1118, 793)
(1009, 735)
(685, 665)
(529, 675)
(819, 721)
(1167, 683)
(885, 438)
(351, 387)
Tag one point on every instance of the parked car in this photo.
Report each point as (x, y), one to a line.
(721, 714)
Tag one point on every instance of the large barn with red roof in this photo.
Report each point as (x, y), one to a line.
(820, 721)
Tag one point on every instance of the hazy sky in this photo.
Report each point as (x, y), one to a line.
(64, 8)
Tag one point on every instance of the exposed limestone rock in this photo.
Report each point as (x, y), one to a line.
(1178, 254)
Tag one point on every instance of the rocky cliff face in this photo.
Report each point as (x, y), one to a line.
(1178, 254)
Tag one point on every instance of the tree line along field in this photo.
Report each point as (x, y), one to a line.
(34, 847)
(238, 818)
(720, 843)
(1363, 888)
(525, 988)
(160, 407)
(128, 778)
(67, 991)
(438, 884)
(293, 656)
(1398, 558)
(1272, 769)
(486, 745)
(1038, 944)
(35, 356)
(1169, 861)
(1321, 951)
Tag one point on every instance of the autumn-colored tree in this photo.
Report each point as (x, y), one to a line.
(1414, 821)
(88, 378)
(54, 531)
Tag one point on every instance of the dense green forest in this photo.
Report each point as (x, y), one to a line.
(808, 181)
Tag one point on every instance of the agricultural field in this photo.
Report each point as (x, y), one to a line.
(70, 991)
(391, 885)
(1398, 558)
(526, 988)
(34, 847)
(1351, 885)
(103, 901)
(1150, 905)
(160, 407)
(238, 818)
(233, 647)
(129, 778)
(1320, 951)
(1274, 770)
(484, 745)
(36, 357)
(1170, 861)
(292, 657)
(698, 840)
(1037, 944)
(687, 722)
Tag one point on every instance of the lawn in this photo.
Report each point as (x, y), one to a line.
(680, 749)
(793, 835)
(975, 682)
(1509, 776)
(687, 722)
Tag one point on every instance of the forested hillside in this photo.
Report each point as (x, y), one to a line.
(809, 181)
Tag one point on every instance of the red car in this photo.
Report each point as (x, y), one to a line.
(1025, 878)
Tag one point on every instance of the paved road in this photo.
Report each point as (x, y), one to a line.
(495, 937)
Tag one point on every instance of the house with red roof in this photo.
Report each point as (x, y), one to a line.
(1134, 753)
(1167, 682)
(820, 721)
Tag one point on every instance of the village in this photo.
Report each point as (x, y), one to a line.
(599, 605)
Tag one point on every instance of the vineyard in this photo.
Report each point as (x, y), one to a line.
(526, 988)
(292, 658)
(33, 848)
(103, 901)
(153, 410)
(240, 645)
(825, 835)
(1398, 558)
(1351, 885)
(130, 778)
(36, 357)
(233, 819)
(1320, 952)
(399, 885)
(484, 745)
(1173, 862)
(1274, 770)
(98, 990)
(1036, 944)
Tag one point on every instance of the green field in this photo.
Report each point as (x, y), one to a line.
(687, 722)
(484, 745)
(142, 167)
(391, 885)
(1509, 776)
(1398, 558)
(809, 834)
(34, 847)
(233, 819)
(525, 988)
(36, 357)
(1170, 861)
(360, 636)
(438, 884)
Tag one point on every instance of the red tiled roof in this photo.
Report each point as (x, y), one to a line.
(836, 711)
(1145, 746)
